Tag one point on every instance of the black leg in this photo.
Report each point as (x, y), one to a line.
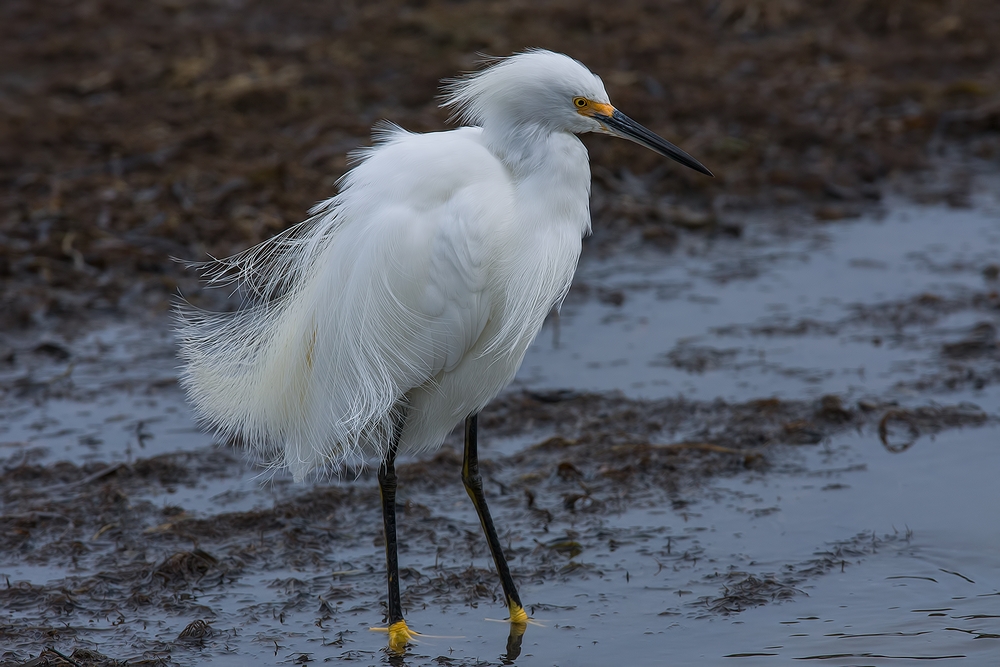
(474, 485)
(387, 488)
(399, 634)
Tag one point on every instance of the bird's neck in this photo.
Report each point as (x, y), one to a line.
(550, 169)
(523, 148)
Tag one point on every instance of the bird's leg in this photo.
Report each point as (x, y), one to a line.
(474, 485)
(399, 633)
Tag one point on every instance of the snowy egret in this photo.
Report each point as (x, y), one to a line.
(406, 302)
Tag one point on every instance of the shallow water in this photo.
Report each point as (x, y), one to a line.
(922, 582)
(892, 555)
(790, 309)
(919, 597)
(113, 399)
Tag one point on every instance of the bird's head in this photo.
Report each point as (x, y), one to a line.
(550, 91)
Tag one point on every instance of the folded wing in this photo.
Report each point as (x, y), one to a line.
(387, 287)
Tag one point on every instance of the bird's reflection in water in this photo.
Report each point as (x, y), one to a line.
(514, 643)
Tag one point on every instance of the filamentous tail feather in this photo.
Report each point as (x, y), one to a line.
(251, 374)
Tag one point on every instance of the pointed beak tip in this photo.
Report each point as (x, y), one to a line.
(698, 166)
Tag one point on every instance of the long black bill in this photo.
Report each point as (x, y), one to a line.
(627, 128)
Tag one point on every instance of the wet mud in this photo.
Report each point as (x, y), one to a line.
(122, 552)
(667, 503)
(762, 429)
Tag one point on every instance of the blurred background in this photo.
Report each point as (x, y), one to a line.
(134, 132)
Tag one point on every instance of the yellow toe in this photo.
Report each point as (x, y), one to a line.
(518, 615)
(399, 636)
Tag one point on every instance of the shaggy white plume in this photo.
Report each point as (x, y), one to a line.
(412, 294)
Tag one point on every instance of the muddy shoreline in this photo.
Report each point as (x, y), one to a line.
(129, 536)
(128, 556)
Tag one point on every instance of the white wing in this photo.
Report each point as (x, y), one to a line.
(383, 290)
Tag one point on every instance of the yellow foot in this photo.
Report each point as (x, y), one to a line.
(399, 636)
(518, 615)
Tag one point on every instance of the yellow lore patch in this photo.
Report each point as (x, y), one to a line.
(590, 108)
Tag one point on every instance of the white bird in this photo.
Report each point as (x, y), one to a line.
(406, 302)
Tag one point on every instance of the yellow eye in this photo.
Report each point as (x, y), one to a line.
(580, 102)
